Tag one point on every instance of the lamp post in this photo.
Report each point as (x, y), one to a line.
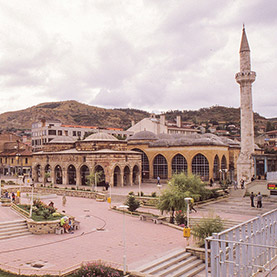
(220, 174)
(32, 200)
(187, 200)
(124, 207)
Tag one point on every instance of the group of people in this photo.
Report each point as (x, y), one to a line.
(67, 224)
(259, 200)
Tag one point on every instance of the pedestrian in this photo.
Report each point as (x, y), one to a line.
(235, 185)
(259, 200)
(242, 184)
(191, 206)
(64, 200)
(252, 196)
(13, 197)
(158, 180)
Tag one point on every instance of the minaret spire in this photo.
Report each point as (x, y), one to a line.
(245, 166)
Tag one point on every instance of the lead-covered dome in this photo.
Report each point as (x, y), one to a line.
(143, 135)
(101, 136)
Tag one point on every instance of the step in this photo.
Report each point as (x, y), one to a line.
(3, 227)
(183, 271)
(177, 266)
(194, 271)
(8, 236)
(160, 260)
(4, 223)
(167, 265)
(14, 228)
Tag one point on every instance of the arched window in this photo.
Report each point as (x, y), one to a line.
(126, 176)
(58, 175)
(216, 168)
(144, 164)
(116, 177)
(160, 167)
(71, 175)
(84, 171)
(179, 164)
(200, 166)
(135, 175)
(102, 179)
(223, 162)
(47, 172)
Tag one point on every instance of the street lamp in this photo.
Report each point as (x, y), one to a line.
(187, 200)
(124, 207)
(32, 200)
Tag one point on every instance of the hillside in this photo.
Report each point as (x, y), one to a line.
(75, 113)
(71, 112)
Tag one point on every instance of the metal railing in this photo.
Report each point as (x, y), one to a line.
(245, 249)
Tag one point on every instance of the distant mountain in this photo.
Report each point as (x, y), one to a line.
(71, 112)
(75, 113)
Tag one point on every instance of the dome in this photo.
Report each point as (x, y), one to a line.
(143, 135)
(63, 139)
(164, 136)
(101, 137)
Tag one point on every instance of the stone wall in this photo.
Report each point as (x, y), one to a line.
(43, 227)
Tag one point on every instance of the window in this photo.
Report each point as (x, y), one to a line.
(200, 166)
(79, 133)
(26, 160)
(52, 132)
(160, 167)
(74, 133)
(66, 133)
(12, 161)
(60, 132)
(179, 164)
(144, 164)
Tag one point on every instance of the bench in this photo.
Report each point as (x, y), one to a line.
(156, 220)
(76, 225)
(59, 230)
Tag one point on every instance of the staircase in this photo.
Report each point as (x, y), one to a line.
(177, 263)
(12, 229)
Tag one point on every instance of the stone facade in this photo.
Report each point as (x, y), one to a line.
(72, 163)
(245, 78)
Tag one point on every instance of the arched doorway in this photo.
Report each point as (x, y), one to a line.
(160, 167)
(135, 175)
(224, 167)
(84, 172)
(200, 166)
(179, 164)
(100, 172)
(126, 176)
(116, 177)
(47, 173)
(38, 172)
(144, 164)
(71, 175)
(216, 168)
(58, 175)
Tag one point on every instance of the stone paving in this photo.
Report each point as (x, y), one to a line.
(145, 241)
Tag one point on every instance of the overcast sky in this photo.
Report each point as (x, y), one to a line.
(155, 55)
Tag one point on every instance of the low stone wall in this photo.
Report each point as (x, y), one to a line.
(67, 192)
(43, 227)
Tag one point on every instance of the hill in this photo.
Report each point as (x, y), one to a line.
(75, 113)
(70, 112)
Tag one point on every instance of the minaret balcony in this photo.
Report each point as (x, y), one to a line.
(245, 77)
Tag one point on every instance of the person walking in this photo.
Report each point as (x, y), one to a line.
(64, 200)
(158, 180)
(259, 200)
(252, 196)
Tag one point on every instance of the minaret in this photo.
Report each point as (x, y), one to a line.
(245, 165)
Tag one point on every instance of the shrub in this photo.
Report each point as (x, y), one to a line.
(153, 194)
(206, 227)
(131, 193)
(180, 217)
(132, 203)
(96, 269)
